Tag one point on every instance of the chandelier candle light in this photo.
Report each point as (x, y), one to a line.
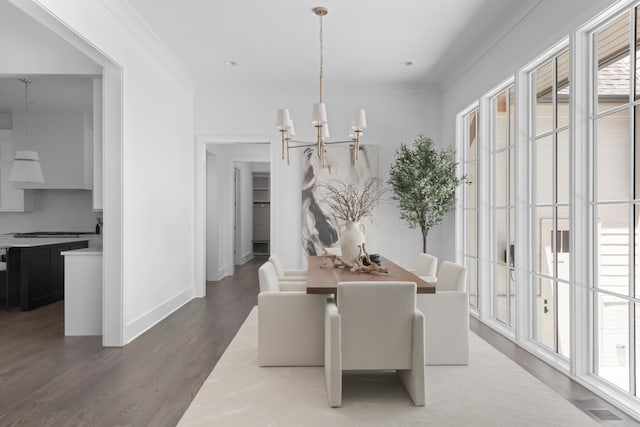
(26, 166)
(319, 119)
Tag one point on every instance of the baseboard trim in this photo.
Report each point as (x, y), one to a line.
(138, 326)
(246, 258)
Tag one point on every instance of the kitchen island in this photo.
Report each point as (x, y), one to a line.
(35, 269)
(83, 292)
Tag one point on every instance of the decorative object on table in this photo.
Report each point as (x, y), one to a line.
(424, 183)
(285, 126)
(351, 206)
(375, 258)
(363, 263)
(320, 228)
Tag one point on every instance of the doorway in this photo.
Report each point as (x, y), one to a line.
(237, 216)
(226, 204)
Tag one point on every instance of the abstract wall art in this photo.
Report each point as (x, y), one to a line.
(320, 229)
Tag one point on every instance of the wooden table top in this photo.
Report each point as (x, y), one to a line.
(324, 280)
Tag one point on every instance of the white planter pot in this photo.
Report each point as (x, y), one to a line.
(351, 236)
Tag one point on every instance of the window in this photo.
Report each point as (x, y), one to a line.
(502, 210)
(614, 200)
(470, 204)
(576, 248)
(549, 208)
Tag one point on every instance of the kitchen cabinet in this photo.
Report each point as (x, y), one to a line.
(36, 273)
(97, 145)
(12, 199)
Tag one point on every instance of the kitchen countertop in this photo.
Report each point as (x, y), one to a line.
(28, 242)
(83, 252)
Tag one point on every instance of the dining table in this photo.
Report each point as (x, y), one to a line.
(323, 277)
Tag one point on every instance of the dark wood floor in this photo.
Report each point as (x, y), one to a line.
(598, 409)
(48, 379)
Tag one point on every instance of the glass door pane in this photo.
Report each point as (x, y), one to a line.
(613, 64)
(612, 248)
(472, 276)
(612, 332)
(545, 307)
(501, 296)
(613, 151)
(563, 319)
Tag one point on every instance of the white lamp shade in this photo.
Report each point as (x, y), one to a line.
(283, 119)
(359, 120)
(319, 114)
(26, 167)
(325, 132)
(290, 129)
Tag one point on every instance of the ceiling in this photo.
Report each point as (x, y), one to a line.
(47, 92)
(276, 42)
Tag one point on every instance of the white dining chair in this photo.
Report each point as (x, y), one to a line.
(290, 322)
(426, 266)
(287, 275)
(446, 316)
(375, 326)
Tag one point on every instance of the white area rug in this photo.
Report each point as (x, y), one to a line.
(491, 391)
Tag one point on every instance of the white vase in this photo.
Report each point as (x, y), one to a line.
(351, 236)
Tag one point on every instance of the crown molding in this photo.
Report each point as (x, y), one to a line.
(130, 18)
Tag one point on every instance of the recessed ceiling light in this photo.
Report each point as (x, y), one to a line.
(230, 63)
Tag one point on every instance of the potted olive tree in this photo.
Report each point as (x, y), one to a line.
(424, 183)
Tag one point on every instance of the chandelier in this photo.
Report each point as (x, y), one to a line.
(284, 123)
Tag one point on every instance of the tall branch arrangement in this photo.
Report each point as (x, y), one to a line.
(424, 182)
(348, 204)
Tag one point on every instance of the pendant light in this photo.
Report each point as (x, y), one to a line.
(26, 165)
(284, 123)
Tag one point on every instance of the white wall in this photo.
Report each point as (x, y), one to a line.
(547, 24)
(151, 215)
(53, 210)
(393, 116)
(260, 167)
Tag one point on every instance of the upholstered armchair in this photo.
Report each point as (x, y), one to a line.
(287, 275)
(290, 322)
(375, 326)
(446, 316)
(426, 266)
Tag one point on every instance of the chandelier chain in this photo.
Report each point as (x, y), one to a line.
(26, 82)
(321, 58)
